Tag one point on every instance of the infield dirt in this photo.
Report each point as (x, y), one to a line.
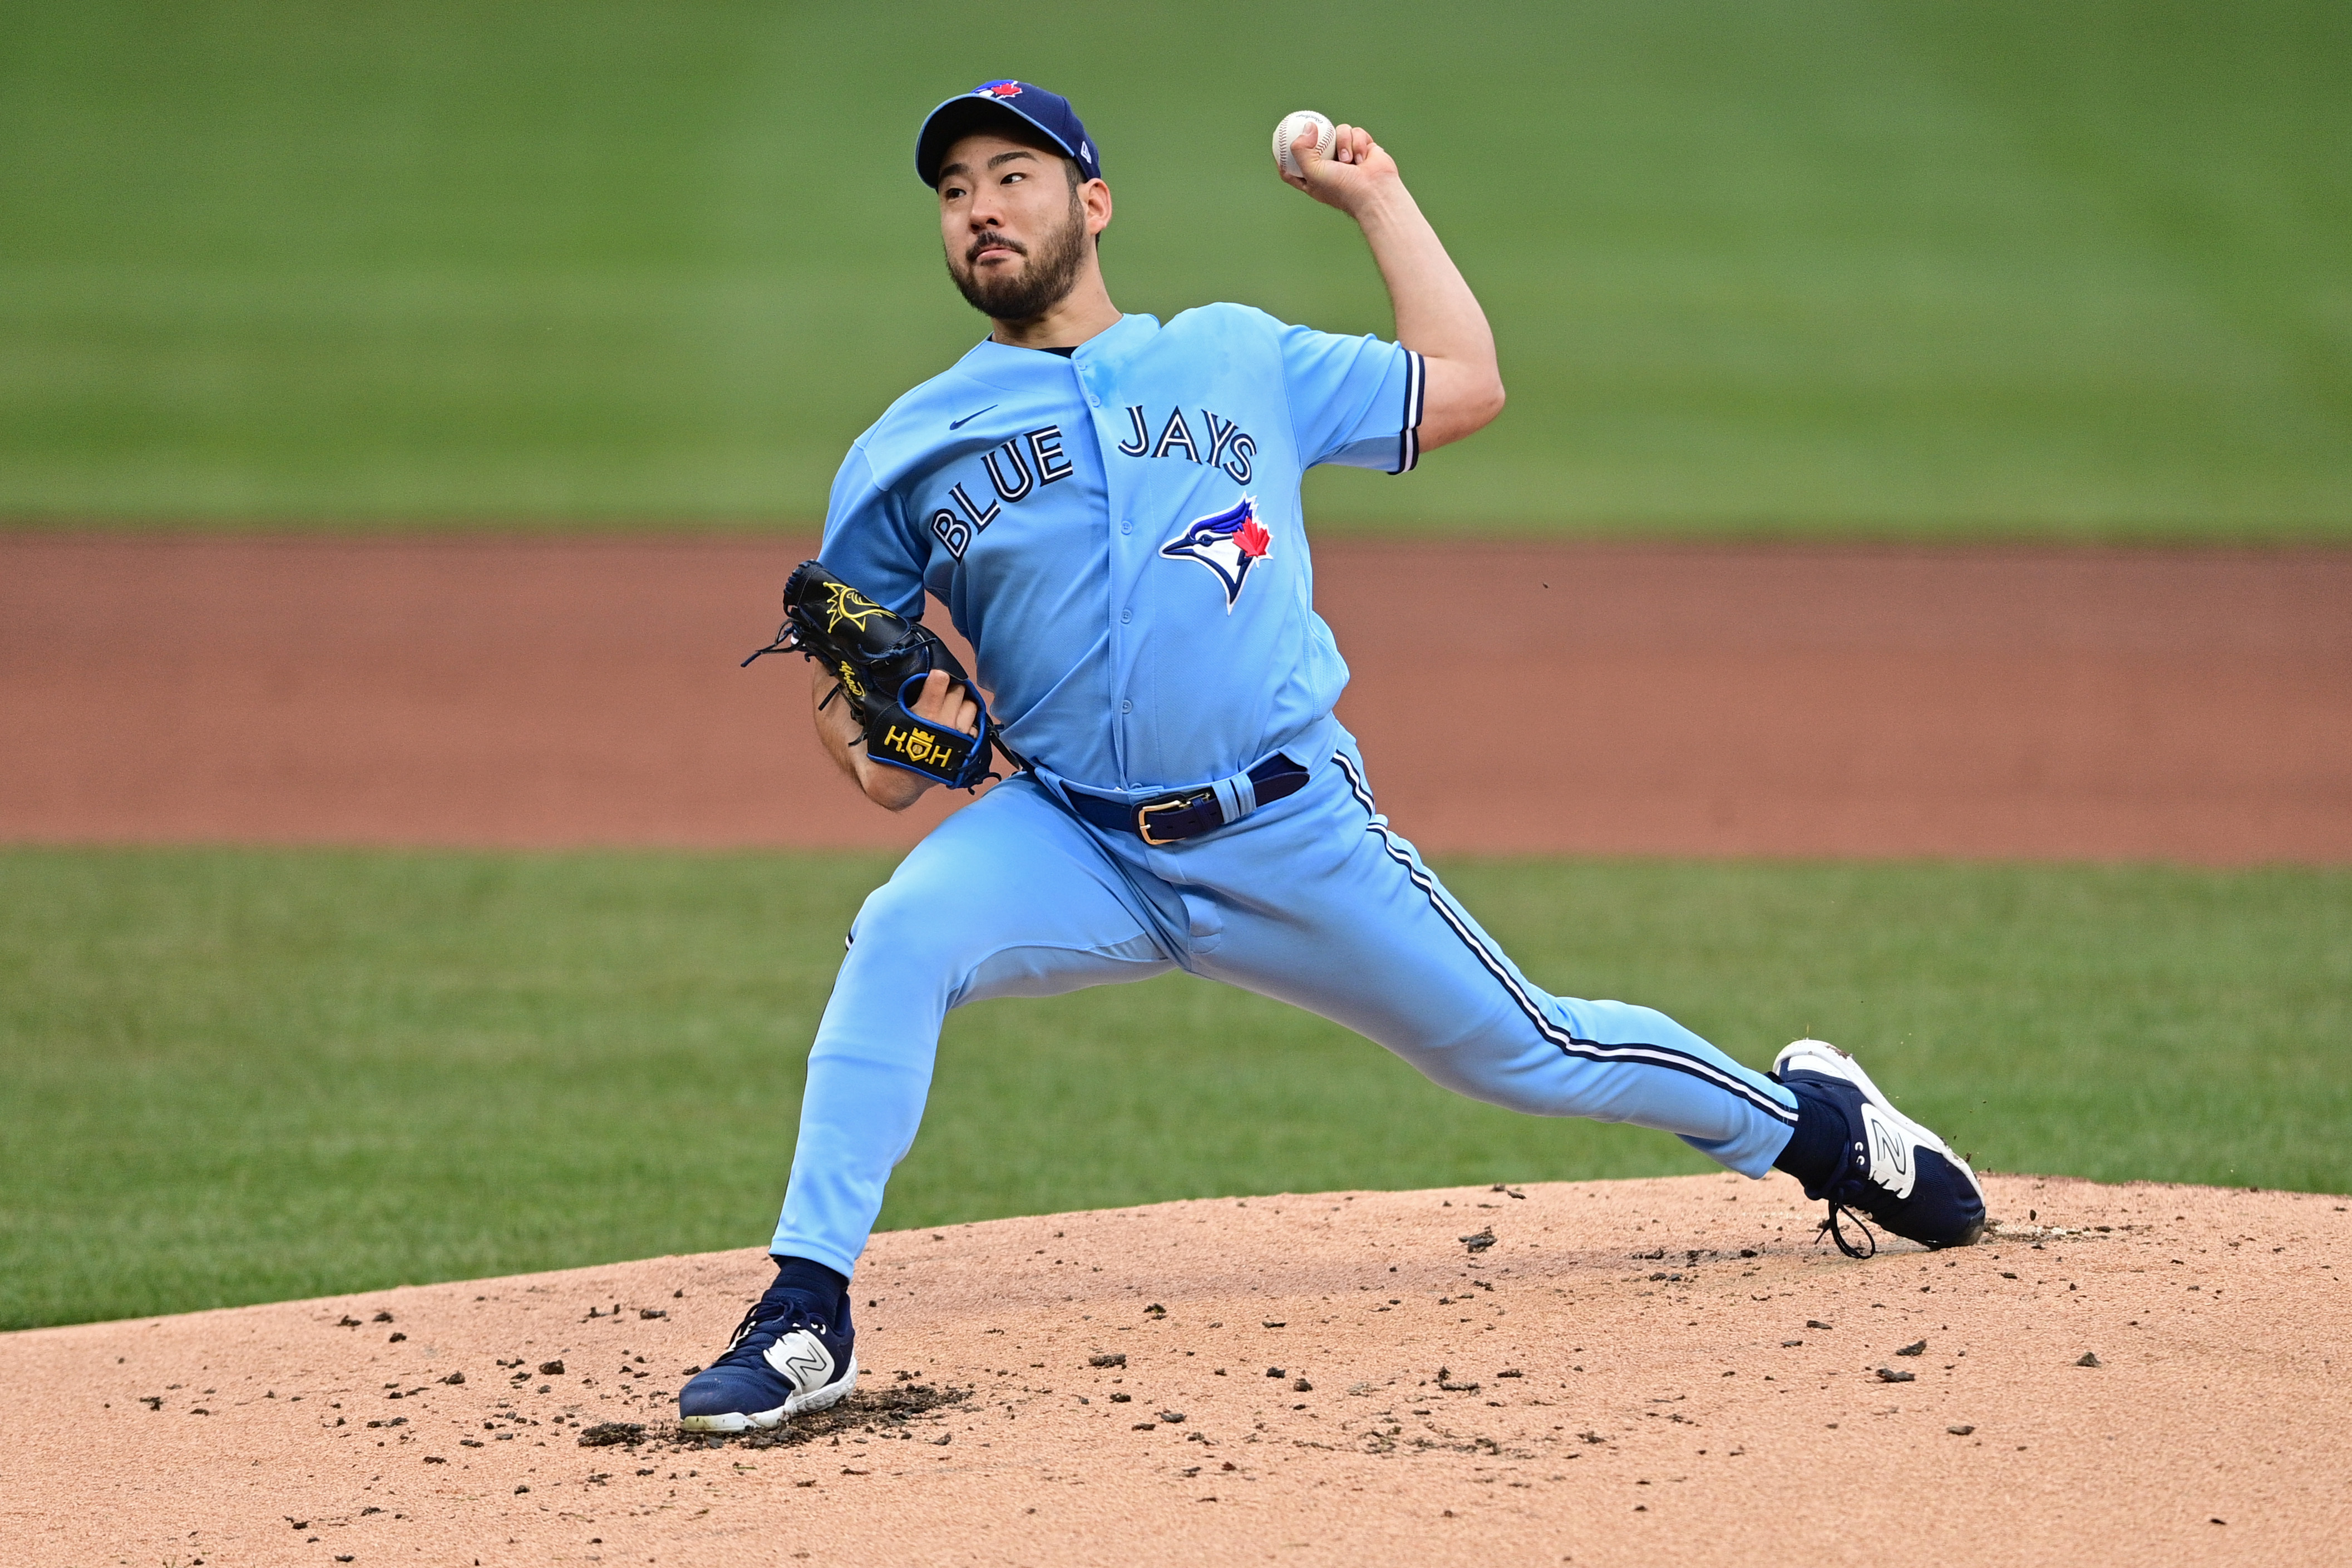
(2190, 706)
(1634, 1372)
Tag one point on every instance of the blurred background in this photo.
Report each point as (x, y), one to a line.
(1912, 576)
(2042, 271)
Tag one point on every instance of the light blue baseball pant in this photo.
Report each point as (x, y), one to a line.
(1314, 900)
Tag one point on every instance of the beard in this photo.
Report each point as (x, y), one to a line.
(1051, 272)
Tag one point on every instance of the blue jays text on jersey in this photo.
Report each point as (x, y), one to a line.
(1118, 531)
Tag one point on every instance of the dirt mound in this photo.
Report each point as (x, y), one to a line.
(1631, 1373)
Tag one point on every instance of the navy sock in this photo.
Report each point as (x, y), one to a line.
(801, 1274)
(1816, 1150)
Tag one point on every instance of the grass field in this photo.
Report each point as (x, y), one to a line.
(1890, 266)
(241, 1075)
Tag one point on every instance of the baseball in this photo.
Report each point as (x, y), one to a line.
(1296, 120)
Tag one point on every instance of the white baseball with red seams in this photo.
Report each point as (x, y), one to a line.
(1288, 132)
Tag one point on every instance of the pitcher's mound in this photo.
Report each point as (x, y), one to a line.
(1635, 1373)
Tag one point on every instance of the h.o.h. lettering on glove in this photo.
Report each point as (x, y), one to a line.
(922, 748)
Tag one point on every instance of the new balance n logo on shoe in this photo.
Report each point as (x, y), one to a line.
(802, 1358)
(1890, 1153)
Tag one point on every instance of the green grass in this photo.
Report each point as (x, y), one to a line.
(236, 1076)
(1890, 266)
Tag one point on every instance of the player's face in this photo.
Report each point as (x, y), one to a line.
(1014, 229)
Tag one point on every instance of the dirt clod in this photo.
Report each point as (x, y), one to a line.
(1916, 1347)
(889, 1407)
(2090, 1358)
(1479, 1241)
(605, 1433)
(1113, 1359)
(550, 1369)
(1888, 1374)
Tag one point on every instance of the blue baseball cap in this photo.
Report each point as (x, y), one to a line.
(1044, 111)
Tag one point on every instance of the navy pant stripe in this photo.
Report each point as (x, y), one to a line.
(1588, 1051)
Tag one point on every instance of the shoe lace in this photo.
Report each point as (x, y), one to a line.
(786, 1312)
(1839, 1211)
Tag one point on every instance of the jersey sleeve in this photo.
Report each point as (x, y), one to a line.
(1355, 401)
(868, 543)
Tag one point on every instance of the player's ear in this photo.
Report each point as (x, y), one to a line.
(1095, 197)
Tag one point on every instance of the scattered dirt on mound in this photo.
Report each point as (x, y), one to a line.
(1634, 1372)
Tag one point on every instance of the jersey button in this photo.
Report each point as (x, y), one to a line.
(1125, 617)
(1127, 707)
(1126, 527)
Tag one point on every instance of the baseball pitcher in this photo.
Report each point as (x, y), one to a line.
(1109, 506)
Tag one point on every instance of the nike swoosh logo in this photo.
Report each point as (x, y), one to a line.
(960, 423)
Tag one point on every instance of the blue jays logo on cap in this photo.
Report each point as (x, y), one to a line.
(1048, 112)
(1228, 544)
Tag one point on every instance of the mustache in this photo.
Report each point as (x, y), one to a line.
(992, 242)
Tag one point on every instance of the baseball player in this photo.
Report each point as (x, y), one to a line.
(1109, 506)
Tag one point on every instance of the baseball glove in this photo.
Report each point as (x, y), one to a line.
(878, 660)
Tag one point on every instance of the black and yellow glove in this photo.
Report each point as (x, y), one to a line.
(878, 659)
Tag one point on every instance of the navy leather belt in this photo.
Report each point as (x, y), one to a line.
(1184, 813)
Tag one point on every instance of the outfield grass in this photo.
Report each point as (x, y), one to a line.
(1894, 267)
(236, 1076)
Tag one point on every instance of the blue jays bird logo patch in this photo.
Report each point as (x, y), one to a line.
(1228, 544)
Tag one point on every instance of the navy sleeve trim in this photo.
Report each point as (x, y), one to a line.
(1409, 438)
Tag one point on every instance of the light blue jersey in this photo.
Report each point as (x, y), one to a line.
(1118, 533)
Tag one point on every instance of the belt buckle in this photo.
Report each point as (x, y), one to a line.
(1143, 814)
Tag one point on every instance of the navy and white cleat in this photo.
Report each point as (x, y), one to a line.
(788, 1355)
(1895, 1171)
